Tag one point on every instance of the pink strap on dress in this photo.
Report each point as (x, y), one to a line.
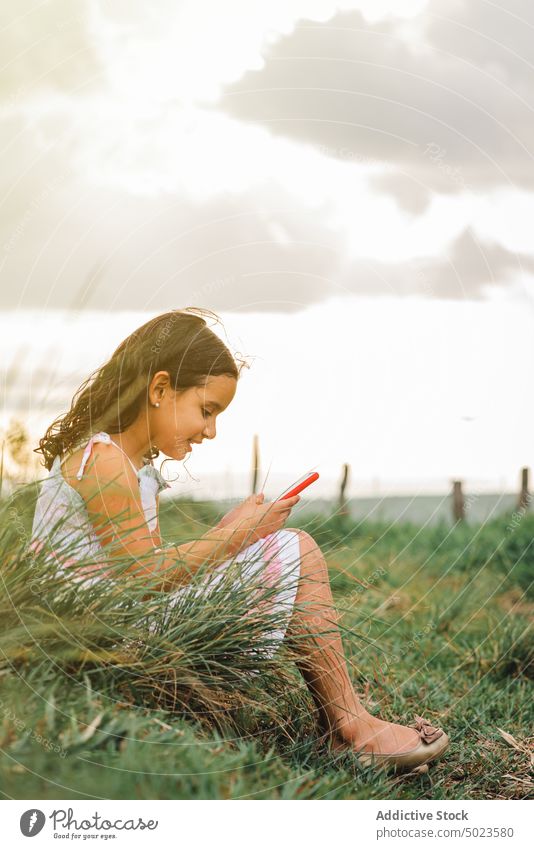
(99, 437)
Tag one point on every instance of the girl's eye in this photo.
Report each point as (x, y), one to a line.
(206, 412)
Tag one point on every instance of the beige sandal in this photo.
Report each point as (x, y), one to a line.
(433, 743)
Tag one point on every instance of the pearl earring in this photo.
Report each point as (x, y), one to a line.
(156, 404)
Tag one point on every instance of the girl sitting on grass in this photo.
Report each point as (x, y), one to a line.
(162, 391)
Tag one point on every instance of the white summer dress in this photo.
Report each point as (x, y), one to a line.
(276, 557)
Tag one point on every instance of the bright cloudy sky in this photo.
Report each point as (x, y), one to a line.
(349, 185)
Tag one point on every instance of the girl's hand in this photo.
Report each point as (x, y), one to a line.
(235, 513)
(262, 519)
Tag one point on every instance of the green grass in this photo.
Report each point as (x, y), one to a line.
(436, 621)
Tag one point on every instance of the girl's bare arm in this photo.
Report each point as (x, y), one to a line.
(110, 490)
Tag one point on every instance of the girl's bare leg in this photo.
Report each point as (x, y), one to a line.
(342, 717)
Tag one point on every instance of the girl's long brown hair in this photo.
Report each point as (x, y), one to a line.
(111, 398)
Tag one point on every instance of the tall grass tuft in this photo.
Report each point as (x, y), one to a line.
(208, 652)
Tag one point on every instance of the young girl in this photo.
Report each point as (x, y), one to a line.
(162, 391)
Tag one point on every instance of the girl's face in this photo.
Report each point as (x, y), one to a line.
(187, 417)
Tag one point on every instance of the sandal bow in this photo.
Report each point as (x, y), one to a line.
(427, 732)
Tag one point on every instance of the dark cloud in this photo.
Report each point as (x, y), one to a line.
(109, 251)
(359, 92)
(410, 194)
(452, 111)
(467, 270)
(66, 248)
(496, 37)
(471, 266)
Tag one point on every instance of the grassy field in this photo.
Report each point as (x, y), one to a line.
(436, 621)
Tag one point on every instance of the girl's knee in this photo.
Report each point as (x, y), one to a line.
(306, 541)
(303, 535)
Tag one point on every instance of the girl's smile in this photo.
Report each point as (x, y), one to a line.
(193, 410)
(170, 413)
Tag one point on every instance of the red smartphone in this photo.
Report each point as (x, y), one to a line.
(299, 487)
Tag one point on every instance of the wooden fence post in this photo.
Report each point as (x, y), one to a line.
(255, 462)
(342, 504)
(524, 496)
(458, 505)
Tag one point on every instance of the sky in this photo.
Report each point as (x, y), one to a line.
(350, 186)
